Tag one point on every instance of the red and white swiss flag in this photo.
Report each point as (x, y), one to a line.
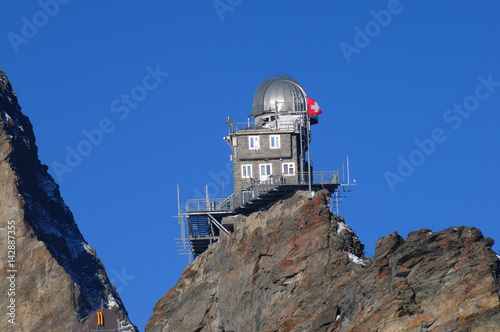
(313, 107)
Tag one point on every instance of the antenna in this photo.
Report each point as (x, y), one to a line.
(348, 182)
(337, 201)
(343, 172)
(309, 175)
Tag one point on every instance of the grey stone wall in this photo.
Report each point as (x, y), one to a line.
(289, 151)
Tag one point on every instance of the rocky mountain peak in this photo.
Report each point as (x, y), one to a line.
(296, 267)
(57, 278)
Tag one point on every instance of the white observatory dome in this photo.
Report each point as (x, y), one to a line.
(279, 93)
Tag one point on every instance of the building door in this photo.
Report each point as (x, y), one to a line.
(266, 171)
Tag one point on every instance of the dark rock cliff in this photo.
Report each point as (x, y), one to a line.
(59, 280)
(296, 267)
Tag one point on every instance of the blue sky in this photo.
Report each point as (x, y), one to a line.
(409, 91)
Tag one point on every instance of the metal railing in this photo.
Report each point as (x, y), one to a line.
(203, 204)
(299, 178)
(259, 188)
(250, 126)
(323, 177)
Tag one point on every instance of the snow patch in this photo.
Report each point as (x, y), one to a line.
(125, 328)
(111, 301)
(6, 117)
(355, 259)
(101, 278)
(18, 129)
(498, 256)
(87, 248)
(341, 226)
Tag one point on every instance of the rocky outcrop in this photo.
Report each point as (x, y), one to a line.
(296, 267)
(50, 278)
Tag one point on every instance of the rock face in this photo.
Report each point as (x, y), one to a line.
(53, 277)
(296, 267)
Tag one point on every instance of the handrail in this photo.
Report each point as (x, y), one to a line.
(258, 189)
(204, 204)
(251, 126)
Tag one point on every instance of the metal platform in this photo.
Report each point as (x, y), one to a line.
(203, 217)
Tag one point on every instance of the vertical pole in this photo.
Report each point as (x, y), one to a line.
(178, 202)
(302, 164)
(305, 111)
(276, 114)
(309, 152)
(181, 222)
(348, 182)
(302, 170)
(207, 207)
(180, 219)
(337, 201)
(343, 173)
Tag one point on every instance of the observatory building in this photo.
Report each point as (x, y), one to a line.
(271, 159)
(274, 148)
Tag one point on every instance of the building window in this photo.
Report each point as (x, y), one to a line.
(266, 171)
(253, 142)
(246, 171)
(288, 169)
(274, 141)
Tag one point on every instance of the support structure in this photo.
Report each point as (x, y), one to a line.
(202, 222)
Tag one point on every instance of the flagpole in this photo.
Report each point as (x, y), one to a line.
(309, 150)
(306, 112)
(302, 170)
